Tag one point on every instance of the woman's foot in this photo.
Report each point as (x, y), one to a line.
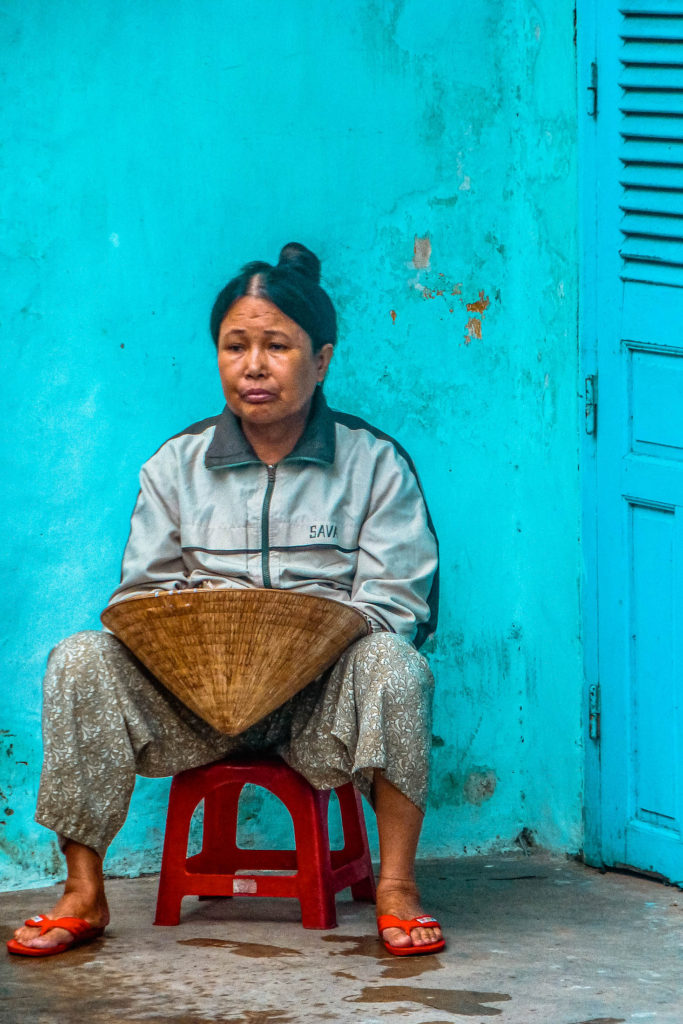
(89, 904)
(83, 897)
(401, 898)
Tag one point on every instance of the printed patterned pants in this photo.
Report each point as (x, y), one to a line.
(106, 719)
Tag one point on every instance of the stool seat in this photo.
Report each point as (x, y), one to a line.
(312, 873)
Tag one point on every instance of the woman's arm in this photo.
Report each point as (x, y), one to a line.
(396, 583)
(152, 559)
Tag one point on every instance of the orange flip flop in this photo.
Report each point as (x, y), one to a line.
(81, 930)
(389, 921)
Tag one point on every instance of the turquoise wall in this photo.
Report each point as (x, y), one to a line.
(427, 152)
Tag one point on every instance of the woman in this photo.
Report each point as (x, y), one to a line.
(278, 491)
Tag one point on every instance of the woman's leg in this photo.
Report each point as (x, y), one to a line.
(370, 720)
(104, 720)
(399, 823)
(83, 897)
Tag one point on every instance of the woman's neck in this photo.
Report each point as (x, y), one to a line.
(273, 441)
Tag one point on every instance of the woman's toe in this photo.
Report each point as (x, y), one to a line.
(32, 938)
(396, 937)
(425, 936)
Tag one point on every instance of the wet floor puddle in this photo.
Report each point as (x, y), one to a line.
(603, 1020)
(257, 1017)
(464, 1002)
(393, 967)
(253, 950)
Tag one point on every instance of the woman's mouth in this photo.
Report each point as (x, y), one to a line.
(257, 395)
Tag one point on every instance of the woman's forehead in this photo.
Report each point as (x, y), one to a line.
(255, 313)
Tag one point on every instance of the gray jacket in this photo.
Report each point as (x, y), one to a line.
(342, 516)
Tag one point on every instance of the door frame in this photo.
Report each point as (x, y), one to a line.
(588, 88)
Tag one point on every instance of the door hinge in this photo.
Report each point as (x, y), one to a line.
(594, 711)
(591, 400)
(592, 109)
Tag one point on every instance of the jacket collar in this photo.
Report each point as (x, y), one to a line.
(229, 447)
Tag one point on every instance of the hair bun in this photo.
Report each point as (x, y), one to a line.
(295, 256)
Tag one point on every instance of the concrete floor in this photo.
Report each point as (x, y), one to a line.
(531, 939)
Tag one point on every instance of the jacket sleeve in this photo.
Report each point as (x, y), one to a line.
(396, 582)
(153, 559)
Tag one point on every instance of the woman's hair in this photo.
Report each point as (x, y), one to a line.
(292, 286)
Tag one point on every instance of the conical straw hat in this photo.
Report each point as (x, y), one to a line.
(233, 656)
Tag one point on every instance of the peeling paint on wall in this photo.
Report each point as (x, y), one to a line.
(422, 251)
(480, 785)
(472, 329)
(441, 287)
(480, 306)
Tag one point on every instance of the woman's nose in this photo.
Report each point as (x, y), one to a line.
(255, 362)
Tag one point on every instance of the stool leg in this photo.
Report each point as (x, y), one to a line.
(316, 893)
(356, 841)
(181, 804)
(219, 837)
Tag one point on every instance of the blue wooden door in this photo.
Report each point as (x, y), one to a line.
(637, 315)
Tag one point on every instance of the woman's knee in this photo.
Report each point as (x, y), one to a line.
(395, 665)
(74, 664)
(81, 647)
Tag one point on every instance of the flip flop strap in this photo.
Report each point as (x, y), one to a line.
(76, 925)
(389, 921)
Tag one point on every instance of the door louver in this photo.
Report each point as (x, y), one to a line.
(651, 141)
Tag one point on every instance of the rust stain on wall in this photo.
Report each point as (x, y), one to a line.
(481, 305)
(473, 329)
(446, 289)
(473, 325)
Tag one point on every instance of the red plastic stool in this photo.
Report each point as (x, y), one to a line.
(314, 872)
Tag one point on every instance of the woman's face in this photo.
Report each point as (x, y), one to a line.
(266, 364)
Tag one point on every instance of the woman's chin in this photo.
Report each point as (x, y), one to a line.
(263, 413)
(270, 414)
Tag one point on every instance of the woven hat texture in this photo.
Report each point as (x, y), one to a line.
(233, 656)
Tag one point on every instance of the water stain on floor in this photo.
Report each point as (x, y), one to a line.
(76, 958)
(603, 1020)
(458, 1001)
(393, 967)
(58, 1006)
(514, 878)
(253, 950)
(358, 945)
(258, 1017)
(247, 1017)
(403, 967)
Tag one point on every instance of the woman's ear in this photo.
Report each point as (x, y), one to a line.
(323, 358)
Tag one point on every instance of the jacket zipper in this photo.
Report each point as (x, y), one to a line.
(265, 532)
